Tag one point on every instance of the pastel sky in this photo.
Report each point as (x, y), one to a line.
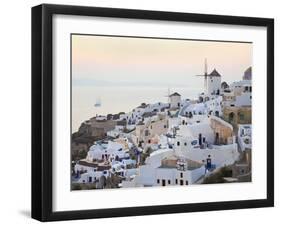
(101, 60)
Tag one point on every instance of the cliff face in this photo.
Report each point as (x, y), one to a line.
(89, 132)
(101, 127)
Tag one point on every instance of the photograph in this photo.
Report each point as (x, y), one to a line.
(154, 111)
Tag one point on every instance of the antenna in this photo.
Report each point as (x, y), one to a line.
(206, 67)
(168, 93)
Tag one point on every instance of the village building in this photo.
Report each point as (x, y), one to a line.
(175, 100)
(237, 103)
(211, 139)
(156, 107)
(239, 94)
(115, 132)
(143, 111)
(92, 176)
(213, 83)
(211, 106)
(238, 115)
(164, 168)
(224, 86)
(193, 109)
(107, 152)
(223, 131)
(245, 136)
(104, 158)
(90, 172)
(146, 130)
(214, 106)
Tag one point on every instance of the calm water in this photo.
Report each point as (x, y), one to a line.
(117, 99)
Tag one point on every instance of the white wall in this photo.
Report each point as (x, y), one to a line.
(220, 155)
(244, 100)
(174, 101)
(213, 84)
(15, 109)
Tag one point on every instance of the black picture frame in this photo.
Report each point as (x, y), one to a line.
(42, 107)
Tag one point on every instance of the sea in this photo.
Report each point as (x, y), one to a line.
(115, 99)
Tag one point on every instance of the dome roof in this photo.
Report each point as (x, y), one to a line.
(248, 74)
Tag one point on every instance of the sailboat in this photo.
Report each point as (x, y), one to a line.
(98, 102)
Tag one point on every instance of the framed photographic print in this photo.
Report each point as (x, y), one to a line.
(140, 112)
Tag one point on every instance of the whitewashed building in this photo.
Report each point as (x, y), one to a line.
(165, 168)
(110, 151)
(214, 106)
(239, 95)
(213, 83)
(116, 132)
(149, 128)
(198, 141)
(92, 176)
(175, 100)
(245, 136)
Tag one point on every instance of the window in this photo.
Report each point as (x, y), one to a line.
(169, 181)
(194, 142)
(186, 182)
(181, 175)
(165, 126)
(231, 117)
(185, 143)
(176, 181)
(158, 181)
(178, 143)
(241, 116)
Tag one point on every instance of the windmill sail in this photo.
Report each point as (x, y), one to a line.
(205, 74)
